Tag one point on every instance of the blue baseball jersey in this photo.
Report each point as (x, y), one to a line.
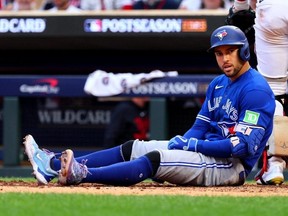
(246, 101)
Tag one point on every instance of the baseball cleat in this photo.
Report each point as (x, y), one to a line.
(276, 181)
(40, 160)
(266, 179)
(272, 172)
(273, 176)
(72, 172)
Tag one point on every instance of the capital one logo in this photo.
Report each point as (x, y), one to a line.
(44, 86)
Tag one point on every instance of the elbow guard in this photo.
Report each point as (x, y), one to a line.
(246, 141)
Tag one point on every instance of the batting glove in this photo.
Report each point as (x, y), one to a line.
(180, 142)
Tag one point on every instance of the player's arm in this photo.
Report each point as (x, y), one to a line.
(253, 4)
(198, 129)
(244, 4)
(246, 139)
(241, 145)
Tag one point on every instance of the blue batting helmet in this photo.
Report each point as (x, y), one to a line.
(230, 35)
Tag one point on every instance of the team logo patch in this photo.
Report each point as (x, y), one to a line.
(251, 117)
(221, 35)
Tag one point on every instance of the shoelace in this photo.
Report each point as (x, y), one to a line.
(78, 172)
(84, 168)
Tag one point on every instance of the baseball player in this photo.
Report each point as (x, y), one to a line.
(220, 149)
(271, 48)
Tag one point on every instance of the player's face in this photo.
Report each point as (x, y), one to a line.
(228, 61)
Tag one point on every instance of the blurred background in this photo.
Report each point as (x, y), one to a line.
(44, 39)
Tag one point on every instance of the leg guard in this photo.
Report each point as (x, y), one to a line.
(273, 164)
(278, 141)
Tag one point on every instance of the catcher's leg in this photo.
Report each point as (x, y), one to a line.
(272, 171)
(273, 166)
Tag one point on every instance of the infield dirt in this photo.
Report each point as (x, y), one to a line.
(146, 188)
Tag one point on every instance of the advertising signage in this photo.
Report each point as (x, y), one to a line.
(143, 32)
(73, 86)
(88, 25)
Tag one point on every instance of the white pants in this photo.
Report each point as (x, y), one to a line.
(191, 168)
(271, 42)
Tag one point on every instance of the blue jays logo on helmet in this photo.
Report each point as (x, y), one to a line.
(221, 34)
(230, 35)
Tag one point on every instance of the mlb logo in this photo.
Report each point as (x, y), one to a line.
(93, 25)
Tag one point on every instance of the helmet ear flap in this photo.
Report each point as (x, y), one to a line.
(244, 52)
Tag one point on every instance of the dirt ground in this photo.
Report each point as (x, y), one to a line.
(146, 188)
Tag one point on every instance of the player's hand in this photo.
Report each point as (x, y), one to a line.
(180, 142)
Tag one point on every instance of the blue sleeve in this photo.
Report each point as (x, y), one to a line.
(260, 102)
(198, 130)
(246, 143)
(218, 148)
